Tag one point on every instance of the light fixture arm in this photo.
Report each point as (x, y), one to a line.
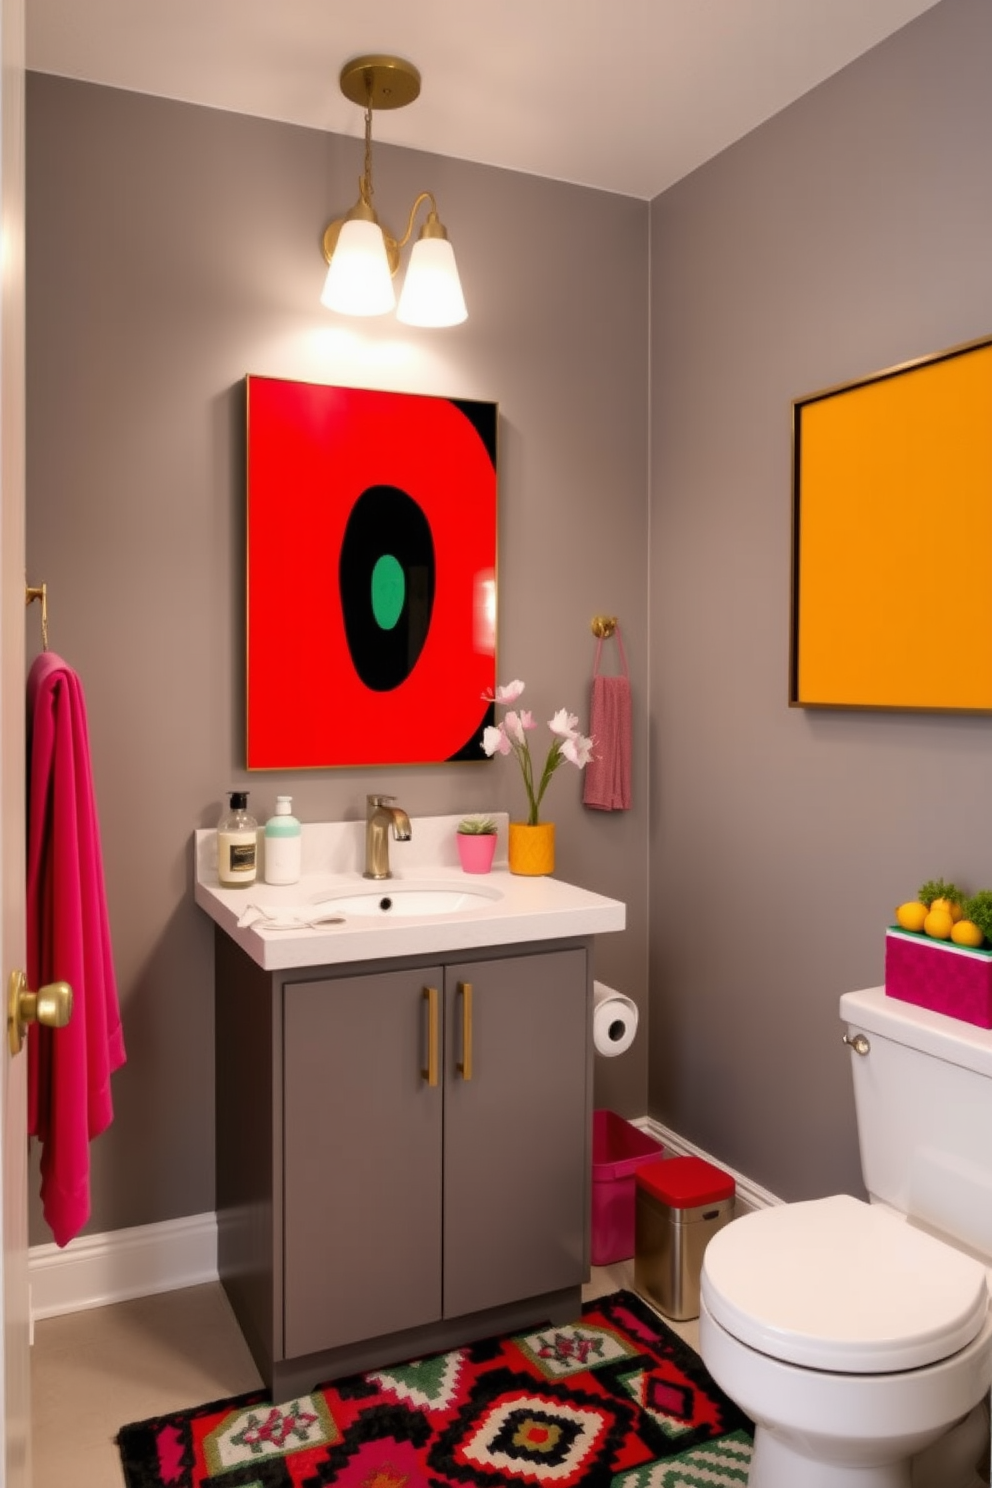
(432, 228)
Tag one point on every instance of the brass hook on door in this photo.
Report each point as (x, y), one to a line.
(30, 595)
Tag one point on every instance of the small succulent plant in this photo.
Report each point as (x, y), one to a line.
(477, 826)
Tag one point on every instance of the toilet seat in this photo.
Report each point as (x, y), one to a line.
(840, 1286)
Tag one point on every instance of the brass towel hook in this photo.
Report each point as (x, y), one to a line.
(603, 626)
(41, 592)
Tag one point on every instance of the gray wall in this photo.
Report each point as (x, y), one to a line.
(846, 235)
(172, 250)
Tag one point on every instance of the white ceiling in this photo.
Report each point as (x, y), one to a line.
(624, 95)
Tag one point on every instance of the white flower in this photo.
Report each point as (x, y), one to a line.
(515, 723)
(507, 694)
(494, 741)
(564, 724)
(578, 750)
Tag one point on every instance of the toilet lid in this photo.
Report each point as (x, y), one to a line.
(836, 1284)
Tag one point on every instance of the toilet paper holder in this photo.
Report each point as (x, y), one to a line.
(614, 1021)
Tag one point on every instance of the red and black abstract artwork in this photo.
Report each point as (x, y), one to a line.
(371, 576)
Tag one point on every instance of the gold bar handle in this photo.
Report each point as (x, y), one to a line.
(465, 1065)
(433, 1026)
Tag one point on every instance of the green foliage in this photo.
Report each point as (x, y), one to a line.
(978, 909)
(936, 888)
(477, 826)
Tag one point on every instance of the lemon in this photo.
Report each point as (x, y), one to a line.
(967, 933)
(949, 906)
(911, 915)
(939, 924)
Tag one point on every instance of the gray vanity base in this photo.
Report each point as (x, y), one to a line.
(369, 1214)
(297, 1376)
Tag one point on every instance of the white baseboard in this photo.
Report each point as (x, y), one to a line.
(749, 1195)
(96, 1270)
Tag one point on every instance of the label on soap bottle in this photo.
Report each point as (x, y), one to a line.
(236, 858)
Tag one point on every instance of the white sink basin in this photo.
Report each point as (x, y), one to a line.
(334, 916)
(385, 900)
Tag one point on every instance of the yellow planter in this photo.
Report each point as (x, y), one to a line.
(532, 849)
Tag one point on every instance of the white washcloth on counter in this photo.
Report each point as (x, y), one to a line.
(286, 917)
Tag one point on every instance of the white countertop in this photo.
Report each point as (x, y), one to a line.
(527, 909)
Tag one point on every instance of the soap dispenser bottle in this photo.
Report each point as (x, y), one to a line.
(283, 844)
(237, 844)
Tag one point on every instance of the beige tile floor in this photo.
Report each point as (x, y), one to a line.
(92, 1372)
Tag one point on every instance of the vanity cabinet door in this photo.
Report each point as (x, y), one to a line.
(516, 1129)
(361, 1159)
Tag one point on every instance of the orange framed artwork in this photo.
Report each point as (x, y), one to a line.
(371, 605)
(892, 538)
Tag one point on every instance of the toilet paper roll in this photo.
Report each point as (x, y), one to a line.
(614, 1021)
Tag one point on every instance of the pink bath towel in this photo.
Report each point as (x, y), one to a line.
(69, 1068)
(607, 775)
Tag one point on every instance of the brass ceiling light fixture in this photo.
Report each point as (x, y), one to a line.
(362, 255)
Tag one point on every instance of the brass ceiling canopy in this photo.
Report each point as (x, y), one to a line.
(380, 82)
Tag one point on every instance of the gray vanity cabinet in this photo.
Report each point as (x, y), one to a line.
(429, 1174)
(515, 1171)
(362, 1172)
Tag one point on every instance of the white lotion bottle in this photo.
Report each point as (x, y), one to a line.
(283, 844)
(237, 844)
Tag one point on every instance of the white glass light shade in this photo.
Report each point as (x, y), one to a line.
(432, 291)
(358, 279)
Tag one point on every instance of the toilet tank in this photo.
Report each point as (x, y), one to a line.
(923, 1098)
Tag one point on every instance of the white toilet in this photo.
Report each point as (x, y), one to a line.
(858, 1337)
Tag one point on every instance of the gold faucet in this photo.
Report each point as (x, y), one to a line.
(378, 818)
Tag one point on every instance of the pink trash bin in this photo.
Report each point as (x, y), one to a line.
(618, 1150)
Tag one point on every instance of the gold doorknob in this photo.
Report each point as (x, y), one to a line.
(52, 1006)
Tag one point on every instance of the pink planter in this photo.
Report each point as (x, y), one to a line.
(950, 979)
(476, 851)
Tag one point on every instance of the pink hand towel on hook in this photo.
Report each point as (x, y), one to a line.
(607, 775)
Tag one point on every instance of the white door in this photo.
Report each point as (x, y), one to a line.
(15, 1438)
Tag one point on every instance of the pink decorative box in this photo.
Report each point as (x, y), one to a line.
(936, 974)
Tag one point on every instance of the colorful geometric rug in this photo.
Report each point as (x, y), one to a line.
(616, 1401)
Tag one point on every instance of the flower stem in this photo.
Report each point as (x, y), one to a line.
(550, 766)
(526, 770)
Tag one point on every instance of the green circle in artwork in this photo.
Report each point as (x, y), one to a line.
(388, 591)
